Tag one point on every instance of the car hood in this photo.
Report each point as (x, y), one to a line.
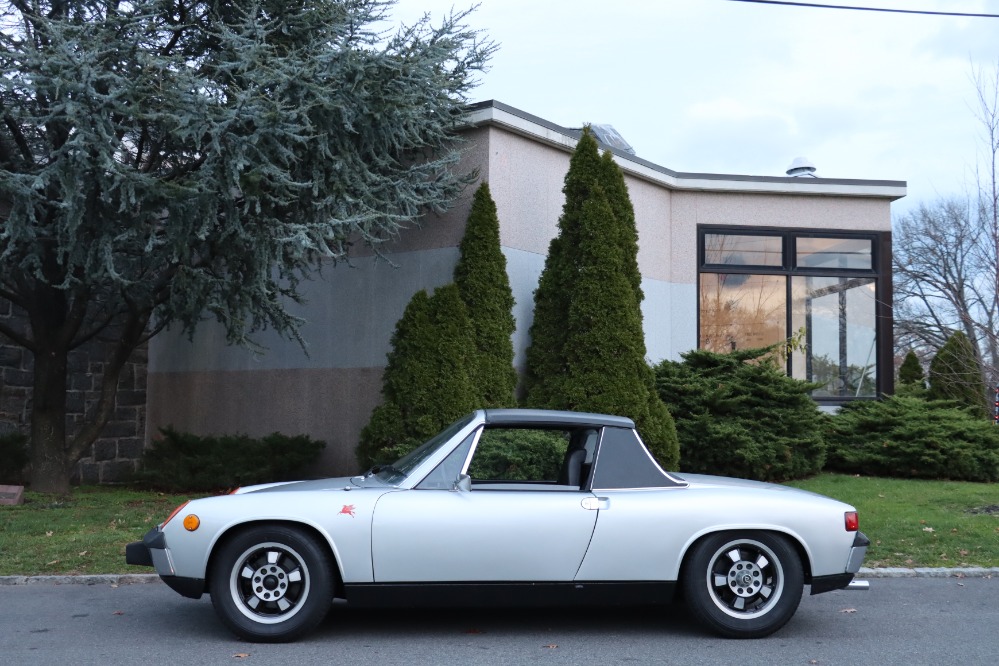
(335, 483)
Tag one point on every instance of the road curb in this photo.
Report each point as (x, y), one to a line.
(87, 579)
(926, 572)
(133, 579)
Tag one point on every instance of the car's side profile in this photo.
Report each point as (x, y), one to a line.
(512, 507)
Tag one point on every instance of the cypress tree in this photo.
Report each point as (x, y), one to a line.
(587, 343)
(485, 289)
(428, 378)
(955, 374)
(612, 180)
(911, 371)
(656, 424)
(546, 363)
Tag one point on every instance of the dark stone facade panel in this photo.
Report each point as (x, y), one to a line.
(115, 455)
(131, 448)
(131, 398)
(11, 357)
(18, 378)
(75, 400)
(90, 473)
(105, 449)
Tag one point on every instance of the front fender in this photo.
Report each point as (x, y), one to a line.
(341, 517)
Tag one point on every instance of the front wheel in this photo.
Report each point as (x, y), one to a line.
(271, 583)
(743, 585)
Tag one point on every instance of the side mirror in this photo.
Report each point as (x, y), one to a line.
(463, 484)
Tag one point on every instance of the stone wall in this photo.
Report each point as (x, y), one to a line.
(115, 455)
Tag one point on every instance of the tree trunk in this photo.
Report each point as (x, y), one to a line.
(49, 468)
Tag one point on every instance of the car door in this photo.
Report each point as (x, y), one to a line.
(501, 530)
(480, 535)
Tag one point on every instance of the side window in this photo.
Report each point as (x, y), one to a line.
(524, 455)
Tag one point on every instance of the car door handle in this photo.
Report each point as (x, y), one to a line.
(596, 503)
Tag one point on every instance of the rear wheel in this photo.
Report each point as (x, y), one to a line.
(271, 583)
(743, 585)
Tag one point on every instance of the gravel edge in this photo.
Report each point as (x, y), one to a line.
(133, 579)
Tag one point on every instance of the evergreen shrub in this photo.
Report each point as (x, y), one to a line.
(182, 462)
(587, 348)
(955, 374)
(909, 437)
(485, 289)
(428, 381)
(911, 370)
(740, 415)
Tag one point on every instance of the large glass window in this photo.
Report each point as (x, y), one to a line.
(740, 310)
(837, 315)
(848, 253)
(743, 250)
(760, 287)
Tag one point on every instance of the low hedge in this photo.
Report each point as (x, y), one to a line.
(909, 437)
(740, 415)
(182, 462)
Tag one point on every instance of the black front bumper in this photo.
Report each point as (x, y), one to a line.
(141, 553)
(137, 554)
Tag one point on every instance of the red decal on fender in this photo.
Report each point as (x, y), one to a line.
(347, 510)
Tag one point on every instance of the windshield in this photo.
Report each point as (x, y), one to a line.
(401, 468)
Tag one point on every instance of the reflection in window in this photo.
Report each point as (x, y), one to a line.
(839, 253)
(838, 316)
(743, 250)
(740, 311)
(760, 288)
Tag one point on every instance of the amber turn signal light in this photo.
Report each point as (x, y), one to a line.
(191, 522)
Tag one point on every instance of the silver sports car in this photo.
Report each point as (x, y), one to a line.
(509, 507)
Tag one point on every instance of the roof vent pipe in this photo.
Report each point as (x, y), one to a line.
(801, 168)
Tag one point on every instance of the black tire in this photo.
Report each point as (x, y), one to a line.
(271, 583)
(743, 584)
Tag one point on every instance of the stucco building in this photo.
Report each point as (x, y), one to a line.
(727, 262)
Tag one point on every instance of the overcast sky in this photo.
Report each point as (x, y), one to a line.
(739, 88)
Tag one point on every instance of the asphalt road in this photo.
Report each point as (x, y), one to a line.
(899, 621)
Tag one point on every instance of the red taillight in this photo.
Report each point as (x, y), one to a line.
(852, 521)
(174, 513)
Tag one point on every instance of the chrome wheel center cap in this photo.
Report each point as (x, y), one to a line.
(745, 579)
(270, 583)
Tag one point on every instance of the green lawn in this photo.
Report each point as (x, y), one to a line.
(84, 533)
(912, 524)
(920, 523)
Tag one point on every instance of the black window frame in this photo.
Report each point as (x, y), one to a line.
(880, 271)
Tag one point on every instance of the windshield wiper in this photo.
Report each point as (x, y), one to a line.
(377, 469)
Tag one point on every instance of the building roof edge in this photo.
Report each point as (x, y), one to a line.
(498, 114)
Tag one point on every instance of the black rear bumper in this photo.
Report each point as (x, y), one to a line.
(822, 584)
